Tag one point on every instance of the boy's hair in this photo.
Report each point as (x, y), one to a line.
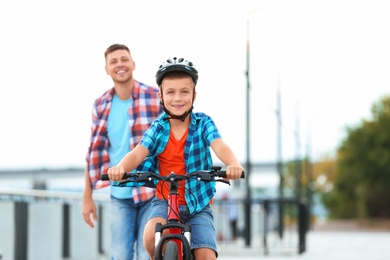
(115, 47)
(177, 75)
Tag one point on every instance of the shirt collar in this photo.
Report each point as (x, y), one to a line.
(135, 93)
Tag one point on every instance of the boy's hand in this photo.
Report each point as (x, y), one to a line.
(234, 171)
(116, 173)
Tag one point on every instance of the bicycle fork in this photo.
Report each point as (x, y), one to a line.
(178, 232)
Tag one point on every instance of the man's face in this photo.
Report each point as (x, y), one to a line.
(120, 66)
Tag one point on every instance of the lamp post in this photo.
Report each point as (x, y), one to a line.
(247, 234)
(248, 165)
(279, 159)
(310, 164)
(298, 159)
(309, 172)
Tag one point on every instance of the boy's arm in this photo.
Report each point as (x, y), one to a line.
(227, 156)
(128, 163)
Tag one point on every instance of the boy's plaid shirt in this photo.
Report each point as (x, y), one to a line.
(201, 133)
(146, 107)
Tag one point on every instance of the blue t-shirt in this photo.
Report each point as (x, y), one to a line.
(119, 136)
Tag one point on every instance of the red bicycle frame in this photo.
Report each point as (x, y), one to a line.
(175, 243)
(178, 232)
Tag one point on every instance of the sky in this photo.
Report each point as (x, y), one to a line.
(330, 60)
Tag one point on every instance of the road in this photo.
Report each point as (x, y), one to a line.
(344, 242)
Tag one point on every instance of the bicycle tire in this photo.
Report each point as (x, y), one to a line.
(171, 251)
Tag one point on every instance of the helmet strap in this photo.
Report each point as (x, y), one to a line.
(170, 116)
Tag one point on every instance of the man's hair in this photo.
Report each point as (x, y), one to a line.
(115, 47)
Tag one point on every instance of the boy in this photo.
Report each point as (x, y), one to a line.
(179, 141)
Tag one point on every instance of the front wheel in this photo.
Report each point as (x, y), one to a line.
(171, 251)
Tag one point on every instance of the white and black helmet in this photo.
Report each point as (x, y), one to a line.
(176, 64)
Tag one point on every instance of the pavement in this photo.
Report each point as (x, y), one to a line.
(345, 240)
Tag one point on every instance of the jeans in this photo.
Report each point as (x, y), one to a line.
(127, 225)
(203, 230)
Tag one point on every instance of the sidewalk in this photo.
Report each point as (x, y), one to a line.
(334, 242)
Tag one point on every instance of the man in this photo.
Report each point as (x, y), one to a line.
(119, 118)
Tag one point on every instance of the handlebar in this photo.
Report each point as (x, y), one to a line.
(215, 174)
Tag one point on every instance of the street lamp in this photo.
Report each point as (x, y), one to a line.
(247, 234)
(279, 159)
(310, 164)
(298, 159)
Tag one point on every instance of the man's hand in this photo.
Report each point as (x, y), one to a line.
(89, 212)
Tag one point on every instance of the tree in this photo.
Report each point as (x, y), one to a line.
(362, 181)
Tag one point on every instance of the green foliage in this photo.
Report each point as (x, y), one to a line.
(362, 182)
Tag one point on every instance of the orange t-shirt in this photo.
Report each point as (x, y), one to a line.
(172, 160)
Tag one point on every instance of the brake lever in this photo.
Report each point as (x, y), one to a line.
(123, 182)
(223, 180)
(204, 176)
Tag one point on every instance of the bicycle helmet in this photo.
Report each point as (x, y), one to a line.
(176, 64)
(172, 65)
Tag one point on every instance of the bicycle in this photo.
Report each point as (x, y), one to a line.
(178, 238)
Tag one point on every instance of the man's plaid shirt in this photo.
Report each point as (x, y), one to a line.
(145, 108)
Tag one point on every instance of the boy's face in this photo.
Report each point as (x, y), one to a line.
(178, 94)
(120, 66)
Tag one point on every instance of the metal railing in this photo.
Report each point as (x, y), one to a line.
(268, 235)
(19, 207)
(44, 224)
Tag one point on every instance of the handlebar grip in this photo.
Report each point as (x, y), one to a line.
(104, 176)
(223, 174)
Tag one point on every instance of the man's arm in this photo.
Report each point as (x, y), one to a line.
(89, 207)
